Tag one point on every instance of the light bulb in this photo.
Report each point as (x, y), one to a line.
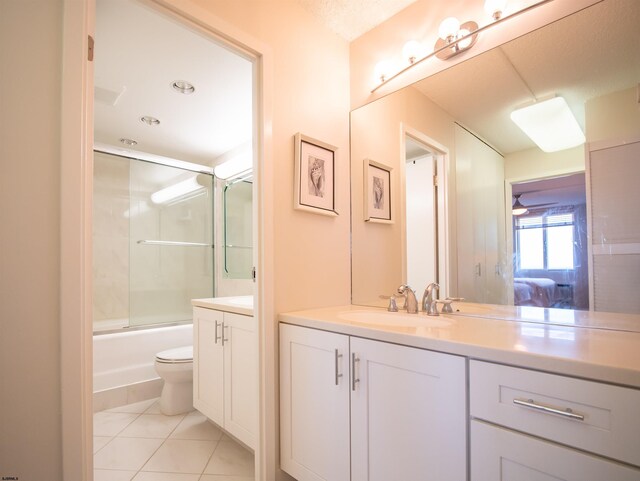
(466, 43)
(495, 8)
(412, 51)
(449, 28)
(382, 70)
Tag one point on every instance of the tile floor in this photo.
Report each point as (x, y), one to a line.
(138, 443)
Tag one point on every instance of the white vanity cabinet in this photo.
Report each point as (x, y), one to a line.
(509, 406)
(225, 370)
(360, 409)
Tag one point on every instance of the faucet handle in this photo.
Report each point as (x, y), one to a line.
(446, 304)
(392, 307)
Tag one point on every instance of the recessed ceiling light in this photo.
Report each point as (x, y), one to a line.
(183, 87)
(149, 120)
(129, 142)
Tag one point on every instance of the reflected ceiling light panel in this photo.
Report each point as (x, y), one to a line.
(412, 51)
(129, 142)
(239, 165)
(183, 87)
(147, 119)
(495, 8)
(179, 189)
(550, 124)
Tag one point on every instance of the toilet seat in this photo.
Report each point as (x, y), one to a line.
(178, 355)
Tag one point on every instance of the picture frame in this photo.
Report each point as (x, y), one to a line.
(377, 192)
(315, 176)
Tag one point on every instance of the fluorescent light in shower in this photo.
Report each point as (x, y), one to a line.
(550, 124)
(177, 190)
(234, 167)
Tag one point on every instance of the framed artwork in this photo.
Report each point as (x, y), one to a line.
(315, 176)
(377, 192)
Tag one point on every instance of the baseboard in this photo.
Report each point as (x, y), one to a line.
(122, 395)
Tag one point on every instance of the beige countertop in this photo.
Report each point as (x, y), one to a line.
(604, 347)
(236, 304)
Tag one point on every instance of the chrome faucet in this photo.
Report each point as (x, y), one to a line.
(429, 304)
(410, 301)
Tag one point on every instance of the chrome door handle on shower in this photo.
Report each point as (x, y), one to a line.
(354, 380)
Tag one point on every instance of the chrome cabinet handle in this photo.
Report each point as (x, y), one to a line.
(337, 357)
(217, 338)
(223, 338)
(354, 380)
(567, 413)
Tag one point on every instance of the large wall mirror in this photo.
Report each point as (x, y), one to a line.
(459, 167)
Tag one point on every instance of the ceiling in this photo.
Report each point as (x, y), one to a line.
(352, 18)
(139, 53)
(589, 54)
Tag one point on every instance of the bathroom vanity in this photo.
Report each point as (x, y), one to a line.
(367, 394)
(225, 364)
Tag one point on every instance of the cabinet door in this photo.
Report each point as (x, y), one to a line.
(314, 404)
(408, 414)
(241, 377)
(208, 357)
(498, 454)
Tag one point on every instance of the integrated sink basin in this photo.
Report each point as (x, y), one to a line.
(394, 319)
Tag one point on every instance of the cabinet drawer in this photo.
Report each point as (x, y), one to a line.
(498, 454)
(603, 419)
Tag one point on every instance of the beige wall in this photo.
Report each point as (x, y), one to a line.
(311, 96)
(376, 134)
(536, 164)
(30, 57)
(312, 268)
(613, 117)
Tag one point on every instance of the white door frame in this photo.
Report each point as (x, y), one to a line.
(76, 152)
(442, 165)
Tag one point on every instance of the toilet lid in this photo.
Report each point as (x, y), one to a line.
(178, 354)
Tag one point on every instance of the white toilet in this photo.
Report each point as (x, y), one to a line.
(175, 366)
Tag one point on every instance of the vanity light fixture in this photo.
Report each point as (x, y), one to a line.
(149, 120)
(455, 36)
(495, 8)
(129, 142)
(454, 39)
(183, 87)
(550, 124)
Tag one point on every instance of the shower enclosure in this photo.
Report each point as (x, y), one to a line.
(153, 242)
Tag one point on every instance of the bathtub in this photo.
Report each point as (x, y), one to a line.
(123, 362)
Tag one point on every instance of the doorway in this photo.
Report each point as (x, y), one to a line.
(170, 95)
(549, 233)
(425, 212)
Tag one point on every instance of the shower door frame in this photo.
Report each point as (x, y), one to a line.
(76, 185)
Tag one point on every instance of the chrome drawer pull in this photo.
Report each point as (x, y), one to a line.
(567, 413)
(216, 336)
(337, 357)
(354, 380)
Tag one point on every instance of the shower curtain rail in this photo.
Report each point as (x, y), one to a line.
(173, 243)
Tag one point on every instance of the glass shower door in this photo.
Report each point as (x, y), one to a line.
(171, 242)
